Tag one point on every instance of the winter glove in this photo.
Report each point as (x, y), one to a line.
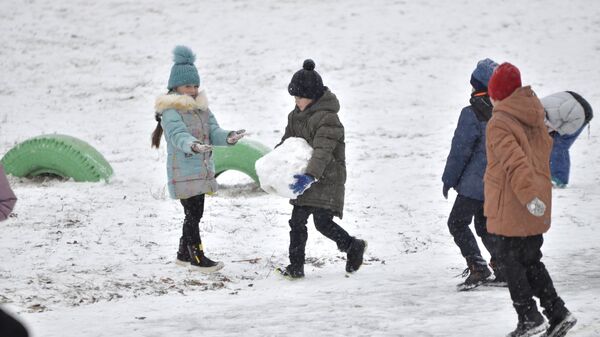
(445, 190)
(302, 183)
(234, 136)
(201, 148)
(536, 207)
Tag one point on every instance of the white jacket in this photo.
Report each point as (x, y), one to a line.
(563, 112)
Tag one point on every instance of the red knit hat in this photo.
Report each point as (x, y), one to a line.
(504, 81)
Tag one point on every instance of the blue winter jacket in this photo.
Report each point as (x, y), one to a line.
(185, 121)
(466, 162)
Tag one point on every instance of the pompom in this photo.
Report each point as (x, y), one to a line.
(183, 55)
(308, 64)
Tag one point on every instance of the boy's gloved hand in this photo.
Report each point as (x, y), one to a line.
(302, 183)
(445, 190)
(234, 136)
(536, 207)
(201, 148)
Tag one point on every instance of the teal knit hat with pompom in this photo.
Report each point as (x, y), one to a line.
(183, 71)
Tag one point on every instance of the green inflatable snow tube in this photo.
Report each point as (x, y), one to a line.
(60, 155)
(239, 157)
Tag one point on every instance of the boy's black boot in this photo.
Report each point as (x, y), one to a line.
(560, 318)
(477, 273)
(355, 253)
(499, 275)
(183, 256)
(200, 262)
(531, 322)
(292, 271)
(560, 327)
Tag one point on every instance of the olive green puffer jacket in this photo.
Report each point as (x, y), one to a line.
(320, 126)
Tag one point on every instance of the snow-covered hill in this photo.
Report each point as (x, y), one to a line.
(83, 259)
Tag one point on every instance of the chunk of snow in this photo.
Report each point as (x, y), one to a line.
(277, 168)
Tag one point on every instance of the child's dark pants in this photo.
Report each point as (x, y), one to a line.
(323, 219)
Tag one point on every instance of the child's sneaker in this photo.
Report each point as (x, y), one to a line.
(558, 183)
(355, 254)
(200, 262)
(291, 272)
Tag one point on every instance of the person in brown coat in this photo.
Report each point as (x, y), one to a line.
(518, 201)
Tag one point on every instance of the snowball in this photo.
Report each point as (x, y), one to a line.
(277, 168)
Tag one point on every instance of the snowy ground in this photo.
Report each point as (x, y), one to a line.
(83, 259)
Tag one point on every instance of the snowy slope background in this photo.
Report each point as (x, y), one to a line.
(84, 259)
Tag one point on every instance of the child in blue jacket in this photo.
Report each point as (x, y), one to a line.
(190, 131)
(464, 171)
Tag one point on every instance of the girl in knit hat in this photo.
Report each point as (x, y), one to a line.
(190, 130)
(518, 196)
(321, 189)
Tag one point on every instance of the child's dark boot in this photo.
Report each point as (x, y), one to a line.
(200, 262)
(531, 322)
(292, 271)
(499, 279)
(477, 273)
(355, 254)
(560, 318)
(183, 256)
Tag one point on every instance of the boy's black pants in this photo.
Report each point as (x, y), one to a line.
(463, 212)
(194, 209)
(323, 219)
(527, 275)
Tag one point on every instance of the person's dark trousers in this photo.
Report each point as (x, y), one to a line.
(9, 326)
(323, 219)
(527, 276)
(194, 209)
(463, 212)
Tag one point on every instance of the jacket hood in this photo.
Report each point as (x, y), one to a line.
(563, 112)
(524, 106)
(181, 102)
(327, 102)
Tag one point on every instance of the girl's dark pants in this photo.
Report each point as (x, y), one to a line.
(194, 209)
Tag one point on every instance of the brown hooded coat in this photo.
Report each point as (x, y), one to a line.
(518, 154)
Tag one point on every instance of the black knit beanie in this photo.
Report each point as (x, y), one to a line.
(306, 82)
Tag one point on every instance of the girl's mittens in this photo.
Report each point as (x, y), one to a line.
(234, 136)
(201, 148)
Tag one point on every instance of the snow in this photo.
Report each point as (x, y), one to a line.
(97, 259)
(276, 169)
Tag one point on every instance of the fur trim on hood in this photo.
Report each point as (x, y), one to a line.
(181, 102)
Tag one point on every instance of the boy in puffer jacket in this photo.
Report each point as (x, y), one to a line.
(567, 114)
(464, 172)
(321, 188)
